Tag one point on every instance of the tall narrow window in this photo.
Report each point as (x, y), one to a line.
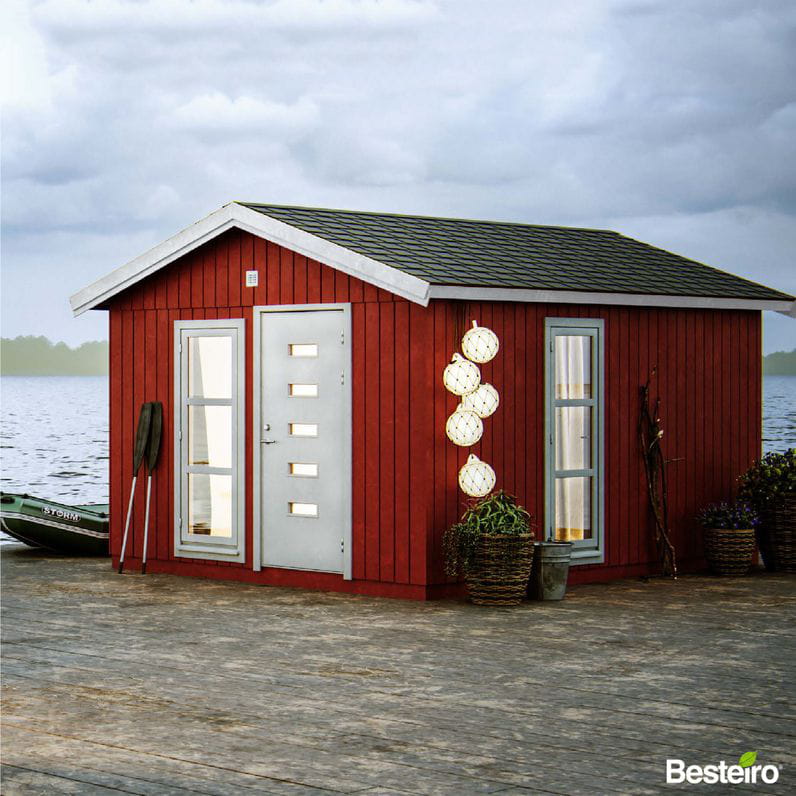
(208, 447)
(574, 506)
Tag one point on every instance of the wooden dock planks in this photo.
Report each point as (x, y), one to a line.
(185, 686)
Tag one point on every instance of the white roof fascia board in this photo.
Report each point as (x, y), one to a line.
(235, 215)
(151, 261)
(623, 299)
(790, 313)
(358, 265)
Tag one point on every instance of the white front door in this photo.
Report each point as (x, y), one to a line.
(305, 439)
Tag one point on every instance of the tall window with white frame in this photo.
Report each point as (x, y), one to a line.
(208, 391)
(574, 425)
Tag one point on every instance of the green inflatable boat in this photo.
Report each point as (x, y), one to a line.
(76, 530)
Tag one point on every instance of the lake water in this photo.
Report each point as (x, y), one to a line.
(54, 433)
(54, 437)
(779, 413)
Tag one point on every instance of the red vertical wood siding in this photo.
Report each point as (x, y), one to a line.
(707, 377)
(390, 402)
(405, 491)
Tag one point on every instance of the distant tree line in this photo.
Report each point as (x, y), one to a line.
(780, 363)
(38, 356)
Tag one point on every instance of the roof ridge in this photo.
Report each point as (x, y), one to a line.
(485, 221)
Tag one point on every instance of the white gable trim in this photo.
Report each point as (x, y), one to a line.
(622, 299)
(235, 215)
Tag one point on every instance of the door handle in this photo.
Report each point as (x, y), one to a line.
(268, 441)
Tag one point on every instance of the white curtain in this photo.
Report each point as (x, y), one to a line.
(573, 436)
(573, 366)
(573, 509)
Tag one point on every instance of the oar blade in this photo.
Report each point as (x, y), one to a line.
(155, 431)
(142, 435)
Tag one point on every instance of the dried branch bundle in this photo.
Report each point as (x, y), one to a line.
(650, 434)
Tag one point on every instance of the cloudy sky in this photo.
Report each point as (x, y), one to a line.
(673, 122)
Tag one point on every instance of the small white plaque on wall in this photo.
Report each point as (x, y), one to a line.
(251, 278)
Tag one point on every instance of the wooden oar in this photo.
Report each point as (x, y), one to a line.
(153, 448)
(141, 439)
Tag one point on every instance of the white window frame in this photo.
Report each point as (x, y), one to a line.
(191, 545)
(585, 551)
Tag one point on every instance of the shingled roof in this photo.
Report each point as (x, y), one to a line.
(497, 254)
(421, 258)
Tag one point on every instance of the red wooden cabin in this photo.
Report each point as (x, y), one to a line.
(298, 354)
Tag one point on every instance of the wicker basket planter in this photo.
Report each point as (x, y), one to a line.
(763, 537)
(500, 570)
(780, 525)
(729, 551)
(770, 486)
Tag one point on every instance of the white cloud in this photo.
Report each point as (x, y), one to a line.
(80, 18)
(215, 112)
(23, 59)
(671, 120)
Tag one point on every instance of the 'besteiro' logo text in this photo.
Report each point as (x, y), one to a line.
(744, 772)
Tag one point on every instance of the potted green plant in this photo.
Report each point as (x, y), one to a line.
(729, 535)
(769, 485)
(492, 546)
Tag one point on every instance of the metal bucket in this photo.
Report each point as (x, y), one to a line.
(550, 570)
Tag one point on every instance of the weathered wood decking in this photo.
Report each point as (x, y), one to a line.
(165, 685)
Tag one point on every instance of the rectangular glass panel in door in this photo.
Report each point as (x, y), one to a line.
(303, 349)
(305, 484)
(573, 509)
(210, 435)
(573, 437)
(573, 357)
(210, 367)
(210, 505)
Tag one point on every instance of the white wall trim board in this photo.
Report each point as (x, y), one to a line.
(622, 299)
(235, 215)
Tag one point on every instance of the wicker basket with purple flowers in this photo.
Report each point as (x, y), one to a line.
(729, 537)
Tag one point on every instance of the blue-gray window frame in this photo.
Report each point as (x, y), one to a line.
(587, 551)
